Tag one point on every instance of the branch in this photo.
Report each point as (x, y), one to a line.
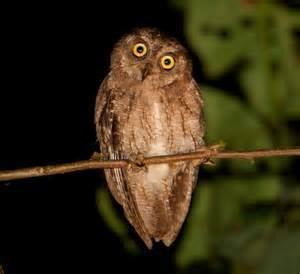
(203, 155)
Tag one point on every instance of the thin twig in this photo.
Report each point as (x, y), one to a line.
(203, 154)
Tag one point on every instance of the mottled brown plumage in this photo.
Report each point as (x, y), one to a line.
(150, 105)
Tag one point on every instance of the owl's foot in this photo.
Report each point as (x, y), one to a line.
(97, 156)
(198, 162)
(208, 161)
(137, 162)
(217, 147)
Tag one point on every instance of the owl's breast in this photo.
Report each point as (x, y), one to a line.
(143, 126)
(152, 125)
(158, 137)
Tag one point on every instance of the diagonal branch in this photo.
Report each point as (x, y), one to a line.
(203, 155)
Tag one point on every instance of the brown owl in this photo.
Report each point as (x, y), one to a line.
(150, 105)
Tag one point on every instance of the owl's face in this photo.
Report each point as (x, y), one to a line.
(148, 56)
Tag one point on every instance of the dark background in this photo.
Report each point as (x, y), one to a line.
(53, 58)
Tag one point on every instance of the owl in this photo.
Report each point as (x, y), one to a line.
(149, 105)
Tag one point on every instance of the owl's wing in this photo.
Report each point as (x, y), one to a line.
(116, 178)
(186, 179)
(180, 199)
(197, 90)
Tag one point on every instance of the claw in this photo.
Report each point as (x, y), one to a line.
(137, 162)
(97, 156)
(197, 162)
(209, 162)
(217, 147)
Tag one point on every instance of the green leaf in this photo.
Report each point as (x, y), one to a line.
(230, 121)
(283, 253)
(270, 79)
(217, 210)
(294, 19)
(256, 82)
(289, 58)
(215, 32)
(113, 221)
(197, 241)
(178, 4)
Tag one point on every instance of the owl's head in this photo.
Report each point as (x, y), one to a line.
(148, 55)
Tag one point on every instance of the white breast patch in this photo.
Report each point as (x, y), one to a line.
(156, 174)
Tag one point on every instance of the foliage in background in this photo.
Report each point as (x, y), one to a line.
(239, 214)
(246, 213)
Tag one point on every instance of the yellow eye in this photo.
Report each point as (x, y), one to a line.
(167, 62)
(139, 50)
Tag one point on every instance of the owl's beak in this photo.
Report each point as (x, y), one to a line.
(145, 71)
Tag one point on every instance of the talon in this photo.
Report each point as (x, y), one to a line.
(209, 162)
(97, 156)
(197, 162)
(137, 162)
(217, 147)
(137, 159)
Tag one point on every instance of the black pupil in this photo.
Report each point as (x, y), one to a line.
(167, 62)
(140, 49)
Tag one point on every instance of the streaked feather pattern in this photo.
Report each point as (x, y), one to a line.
(161, 114)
